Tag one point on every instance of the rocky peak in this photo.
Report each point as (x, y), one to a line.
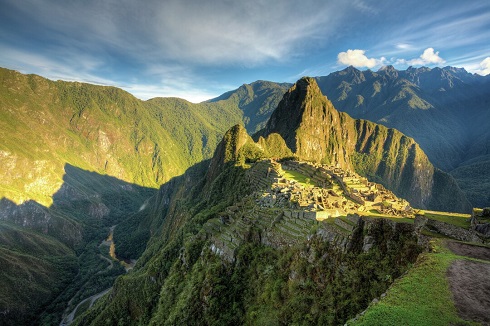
(227, 151)
(315, 131)
(389, 71)
(302, 106)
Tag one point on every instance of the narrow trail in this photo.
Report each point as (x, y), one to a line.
(69, 319)
(68, 316)
(469, 281)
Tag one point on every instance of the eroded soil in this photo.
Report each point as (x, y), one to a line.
(470, 282)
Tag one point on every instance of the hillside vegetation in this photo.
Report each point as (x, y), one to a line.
(76, 159)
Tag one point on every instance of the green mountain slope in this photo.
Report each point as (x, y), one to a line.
(79, 158)
(257, 101)
(46, 124)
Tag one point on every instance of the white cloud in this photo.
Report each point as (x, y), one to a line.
(357, 58)
(427, 58)
(484, 67)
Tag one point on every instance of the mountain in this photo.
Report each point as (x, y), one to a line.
(77, 159)
(438, 107)
(257, 101)
(229, 251)
(444, 109)
(315, 131)
(254, 236)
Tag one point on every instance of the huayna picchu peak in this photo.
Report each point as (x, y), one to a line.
(315, 131)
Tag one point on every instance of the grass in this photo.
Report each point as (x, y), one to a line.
(458, 219)
(374, 214)
(421, 297)
(299, 177)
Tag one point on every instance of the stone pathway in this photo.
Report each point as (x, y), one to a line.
(469, 282)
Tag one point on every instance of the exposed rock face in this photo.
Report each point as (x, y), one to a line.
(315, 131)
(34, 216)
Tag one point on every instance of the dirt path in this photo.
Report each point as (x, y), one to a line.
(470, 282)
(69, 319)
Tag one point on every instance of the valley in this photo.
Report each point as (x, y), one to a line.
(164, 212)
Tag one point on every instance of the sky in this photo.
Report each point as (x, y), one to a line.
(199, 49)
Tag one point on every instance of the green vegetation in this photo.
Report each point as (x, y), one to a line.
(299, 177)
(95, 274)
(61, 141)
(462, 220)
(257, 101)
(36, 263)
(421, 297)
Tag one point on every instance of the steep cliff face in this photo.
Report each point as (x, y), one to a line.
(314, 130)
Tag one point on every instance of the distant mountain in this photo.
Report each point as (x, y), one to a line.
(257, 101)
(446, 110)
(439, 107)
(314, 130)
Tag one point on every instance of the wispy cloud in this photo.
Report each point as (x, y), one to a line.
(403, 46)
(118, 39)
(209, 32)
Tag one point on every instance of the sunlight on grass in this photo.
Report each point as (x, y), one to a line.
(299, 177)
(421, 297)
(458, 219)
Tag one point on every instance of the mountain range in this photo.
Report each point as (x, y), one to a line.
(80, 160)
(444, 109)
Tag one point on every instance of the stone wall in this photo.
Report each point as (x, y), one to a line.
(447, 229)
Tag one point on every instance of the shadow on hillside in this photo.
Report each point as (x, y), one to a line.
(86, 203)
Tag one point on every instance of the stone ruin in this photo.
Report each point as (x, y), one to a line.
(334, 192)
(283, 212)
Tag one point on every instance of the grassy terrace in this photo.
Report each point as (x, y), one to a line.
(421, 297)
(375, 214)
(299, 177)
(458, 219)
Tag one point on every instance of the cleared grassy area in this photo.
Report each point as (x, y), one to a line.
(299, 177)
(375, 214)
(421, 297)
(458, 219)
(395, 219)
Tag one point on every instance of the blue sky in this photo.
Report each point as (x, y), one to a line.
(200, 49)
